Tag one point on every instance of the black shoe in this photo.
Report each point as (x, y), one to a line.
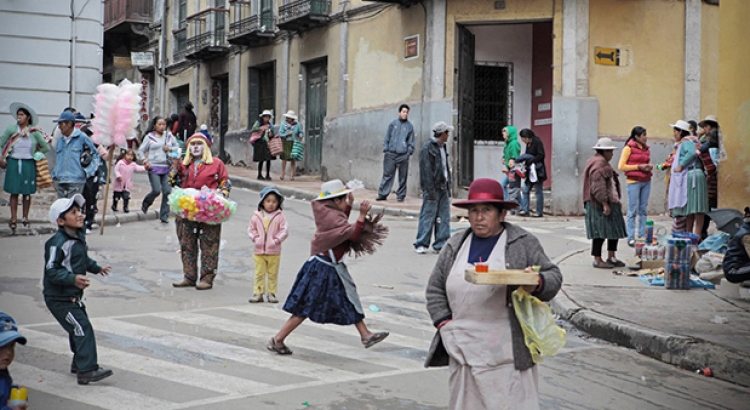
(400, 199)
(260, 177)
(381, 198)
(114, 208)
(126, 209)
(165, 221)
(268, 178)
(144, 208)
(93, 376)
(73, 367)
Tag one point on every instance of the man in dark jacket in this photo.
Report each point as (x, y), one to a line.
(435, 181)
(535, 155)
(186, 122)
(736, 262)
(397, 147)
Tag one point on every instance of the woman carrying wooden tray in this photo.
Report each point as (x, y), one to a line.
(478, 335)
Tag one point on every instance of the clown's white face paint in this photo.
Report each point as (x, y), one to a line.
(196, 150)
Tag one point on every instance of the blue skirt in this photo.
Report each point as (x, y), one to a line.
(319, 295)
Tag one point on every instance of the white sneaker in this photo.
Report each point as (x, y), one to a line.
(420, 250)
(88, 231)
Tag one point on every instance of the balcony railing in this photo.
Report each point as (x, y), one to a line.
(117, 12)
(207, 34)
(405, 3)
(304, 14)
(251, 27)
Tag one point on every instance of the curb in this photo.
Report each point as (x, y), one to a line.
(686, 352)
(43, 227)
(254, 185)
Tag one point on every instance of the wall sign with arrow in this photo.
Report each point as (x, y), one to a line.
(607, 56)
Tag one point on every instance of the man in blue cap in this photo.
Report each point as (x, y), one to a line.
(76, 160)
(9, 336)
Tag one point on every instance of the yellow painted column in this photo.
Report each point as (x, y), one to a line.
(734, 103)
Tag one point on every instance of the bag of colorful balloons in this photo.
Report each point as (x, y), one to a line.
(206, 205)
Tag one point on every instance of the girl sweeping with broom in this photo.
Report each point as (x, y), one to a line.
(324, 290)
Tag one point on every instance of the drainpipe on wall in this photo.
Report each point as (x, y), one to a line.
(73, 38)
(163, 60)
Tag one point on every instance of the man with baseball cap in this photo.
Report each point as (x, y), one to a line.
(435, 181)
(76, 160)
(9, 336)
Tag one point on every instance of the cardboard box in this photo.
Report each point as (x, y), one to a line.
(657, 264)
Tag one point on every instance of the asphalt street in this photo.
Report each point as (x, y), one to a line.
(187, 349)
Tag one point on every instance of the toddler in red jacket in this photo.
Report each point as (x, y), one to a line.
(267, 230)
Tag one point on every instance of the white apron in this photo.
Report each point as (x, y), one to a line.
(479, 342)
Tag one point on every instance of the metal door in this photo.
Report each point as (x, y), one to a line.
(262, 95)
(316, 92)
(266, 15)
(465, 77)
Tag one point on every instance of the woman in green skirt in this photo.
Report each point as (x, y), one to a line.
(289, 131)
(21, 145)
(601, 199)
(688, 192)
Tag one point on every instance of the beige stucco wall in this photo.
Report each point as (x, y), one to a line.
(379, 75)
(734, 105)
(649, 90)
(709, 59)
(470, 11)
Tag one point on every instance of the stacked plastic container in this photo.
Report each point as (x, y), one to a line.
(677, 275)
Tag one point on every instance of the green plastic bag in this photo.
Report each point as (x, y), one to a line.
(541, 335)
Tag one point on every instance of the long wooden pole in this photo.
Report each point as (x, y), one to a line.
(106, 189)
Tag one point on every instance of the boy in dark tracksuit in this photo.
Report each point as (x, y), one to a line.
(66, 264)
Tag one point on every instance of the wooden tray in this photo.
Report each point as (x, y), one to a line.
(502, 277)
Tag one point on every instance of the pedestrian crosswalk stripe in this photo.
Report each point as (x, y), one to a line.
(104, 395)
(148, 366)
(223, 350)
(306, 342)
(405, 341)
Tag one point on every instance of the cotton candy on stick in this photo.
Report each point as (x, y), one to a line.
(116, 112)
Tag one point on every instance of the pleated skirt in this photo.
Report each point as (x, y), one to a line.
(319, 295)
(261, 151)
(600, 226)
(697, 195)
(287, 155)
(20, 176)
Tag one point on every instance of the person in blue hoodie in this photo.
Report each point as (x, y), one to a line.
(76, 157)
(397, 148)
(9, 336)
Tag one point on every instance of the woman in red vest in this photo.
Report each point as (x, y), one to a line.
(635, 161)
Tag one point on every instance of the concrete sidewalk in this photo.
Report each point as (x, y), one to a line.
(671, 326)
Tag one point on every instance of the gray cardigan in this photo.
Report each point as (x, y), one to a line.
(522, 250)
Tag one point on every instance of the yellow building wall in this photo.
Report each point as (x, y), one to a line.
(478, 12)
(734, 104)
(649, 90)
(378, 73)
(709, 60)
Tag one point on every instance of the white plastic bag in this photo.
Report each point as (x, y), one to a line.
(532, 173)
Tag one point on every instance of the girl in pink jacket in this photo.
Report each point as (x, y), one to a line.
(124, 179)
(267, 230)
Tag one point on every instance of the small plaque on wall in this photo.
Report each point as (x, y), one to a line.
(411, 47)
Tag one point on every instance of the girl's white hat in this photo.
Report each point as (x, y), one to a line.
(266, 112)
(604, 143)
(332, 189)
(681, 124)
(291, 114)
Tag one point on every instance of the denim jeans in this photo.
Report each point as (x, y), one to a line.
(638, 193)
(435, 212)
(65, 190)
(504, 183)
(159, 184)
(391, 163)
(525, 197)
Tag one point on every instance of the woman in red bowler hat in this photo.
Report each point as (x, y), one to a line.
(478, 335)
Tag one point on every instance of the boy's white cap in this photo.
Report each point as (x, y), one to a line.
(62, 205)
